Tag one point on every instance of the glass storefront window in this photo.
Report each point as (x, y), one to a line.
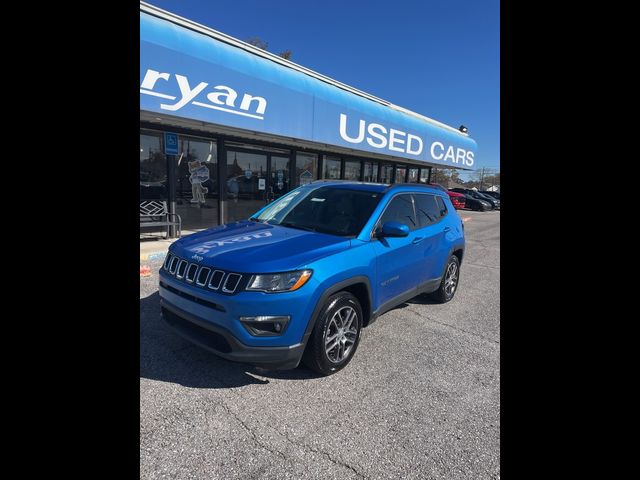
(306, 168)
(153, 169)
(196, 183)
(370, 172)
(331, 167)
(424, 174)
(352, 169)
(279, 175)
(413, 175)
(246, 184)
(386, 173)
(401, 172)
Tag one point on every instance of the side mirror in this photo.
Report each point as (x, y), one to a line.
(393, 229)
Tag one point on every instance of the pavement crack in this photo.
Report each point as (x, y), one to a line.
(308, 448)
(249, 430)
(421, 315)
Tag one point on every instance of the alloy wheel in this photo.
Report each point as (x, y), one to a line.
(341, 334)
(451, 279)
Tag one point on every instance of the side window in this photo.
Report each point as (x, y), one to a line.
(441, 206)
(400, 210)
(428, 210)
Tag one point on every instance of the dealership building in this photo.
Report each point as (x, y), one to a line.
(226, 127)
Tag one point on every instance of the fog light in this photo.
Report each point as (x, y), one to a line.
(265, 325)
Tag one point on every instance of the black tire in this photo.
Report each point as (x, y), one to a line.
(445, 294)
(315, 356)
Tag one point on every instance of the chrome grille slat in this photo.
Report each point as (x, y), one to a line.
(189, 277)
(206, 276)
(174, 264)
(213, 276)
(237, 282)
(167, 261)
(184, 270)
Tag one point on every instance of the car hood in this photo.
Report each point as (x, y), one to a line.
(252, 247)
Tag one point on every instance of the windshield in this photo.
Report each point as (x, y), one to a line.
(334, 210)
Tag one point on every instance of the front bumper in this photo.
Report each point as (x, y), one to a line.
(211, 320)
(222, 342)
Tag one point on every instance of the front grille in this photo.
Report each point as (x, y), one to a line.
(204, 277)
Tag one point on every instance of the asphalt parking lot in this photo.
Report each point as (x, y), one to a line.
(420, 399)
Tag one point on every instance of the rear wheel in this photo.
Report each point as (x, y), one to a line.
(449, 283)
(335, 336)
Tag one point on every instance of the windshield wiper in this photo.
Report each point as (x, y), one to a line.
(298, 226)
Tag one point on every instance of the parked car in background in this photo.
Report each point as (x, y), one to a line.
(491, 194)
(457, 199)
(495, 203)
(475, 203)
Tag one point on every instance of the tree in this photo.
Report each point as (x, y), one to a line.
(258, 42)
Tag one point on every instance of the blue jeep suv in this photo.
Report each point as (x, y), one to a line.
(303, 276)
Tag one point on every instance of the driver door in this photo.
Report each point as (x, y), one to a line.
(398, 259)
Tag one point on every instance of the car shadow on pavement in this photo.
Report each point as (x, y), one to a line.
(422, 299)
(167, 357)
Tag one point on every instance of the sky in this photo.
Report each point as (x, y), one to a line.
(436, 57)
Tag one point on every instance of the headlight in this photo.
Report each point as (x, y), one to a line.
(279, 282)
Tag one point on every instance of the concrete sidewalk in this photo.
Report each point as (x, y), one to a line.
(151, 250)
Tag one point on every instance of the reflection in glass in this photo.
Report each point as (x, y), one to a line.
(352, 170)
(370, 172)
(401, 172)
(413, 175)
(246, 194)
(153, 169)
(306, 168)
(279, 175)
(386, 172)
(332, 168)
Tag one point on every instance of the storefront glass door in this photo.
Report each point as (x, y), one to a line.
(197, 183)
(246, 184)
(279, 182)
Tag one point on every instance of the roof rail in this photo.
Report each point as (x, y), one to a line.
(425, 185)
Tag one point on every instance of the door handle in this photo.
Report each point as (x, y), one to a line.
(447, 229)
(417, 240)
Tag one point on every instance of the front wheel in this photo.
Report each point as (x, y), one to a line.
(336, 334)
(449, 283)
